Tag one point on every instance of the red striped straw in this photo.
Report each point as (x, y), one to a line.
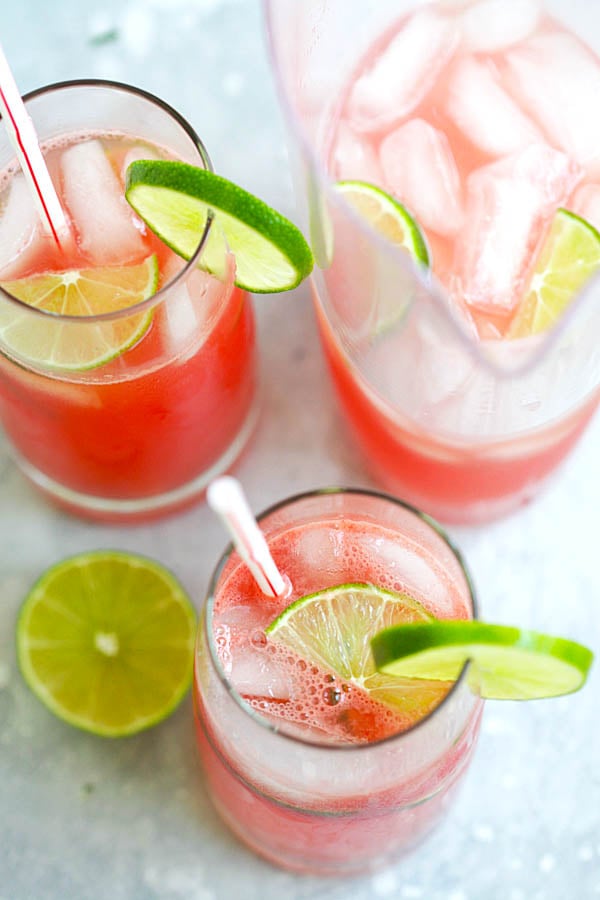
(226, 497)
(23, 137)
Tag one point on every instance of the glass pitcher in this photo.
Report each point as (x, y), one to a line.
(479, 117)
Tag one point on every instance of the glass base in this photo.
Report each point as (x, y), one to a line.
(143, 509)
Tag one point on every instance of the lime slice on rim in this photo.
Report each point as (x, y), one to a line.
(81, 293)
(175, 200)
(387, 216)
(569, 257)
(333, 628)
(507, 663)
(105, 640)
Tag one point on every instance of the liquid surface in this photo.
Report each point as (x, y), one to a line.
(293, 693)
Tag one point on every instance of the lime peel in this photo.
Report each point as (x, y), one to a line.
(176, 199)
(387, 216)
(506, 663)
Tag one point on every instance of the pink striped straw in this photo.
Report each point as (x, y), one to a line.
(23, 137)
(226, 497)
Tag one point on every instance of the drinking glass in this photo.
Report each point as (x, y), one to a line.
(283, 787)
(144, 432)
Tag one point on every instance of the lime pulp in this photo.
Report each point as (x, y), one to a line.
(105, 640)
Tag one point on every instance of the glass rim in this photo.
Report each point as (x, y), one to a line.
(540, 346)
(236, 696)
(188, 265)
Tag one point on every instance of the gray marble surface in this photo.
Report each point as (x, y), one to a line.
(86, 819)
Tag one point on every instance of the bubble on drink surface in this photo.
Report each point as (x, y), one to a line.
(403, 72)
(313, 707)
(562, 98)
(419, 168)
(332, 696)
(484, 112)
(354, 156)
(489, 26)
(20, 228)
(586, 203)
(509, 205)
(258, 639)
(101, 216)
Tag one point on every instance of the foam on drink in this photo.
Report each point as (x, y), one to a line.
(298, 695)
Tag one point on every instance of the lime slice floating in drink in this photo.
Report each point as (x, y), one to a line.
(105, 640)
(333, 628)
(176, 199)
(507, 663)
(387, 216)
(79, 293)
(385, 309)
(569, 257)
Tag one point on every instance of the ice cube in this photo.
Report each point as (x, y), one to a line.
(404, 72)
(484, 112)
(556, 80)
(103, 219)
(509, 205)
(19, 226)
(419, 168)
(140, 151)
(354, 156)
(258, 673)
(586, 203)
(493, 25)
(181, 317)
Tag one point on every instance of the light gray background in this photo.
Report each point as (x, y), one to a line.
(86, 819)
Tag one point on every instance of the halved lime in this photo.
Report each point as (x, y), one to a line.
(75, 345)
(507, 663)
(333, 628)
(569, 257)
(105, 640)
(175, 200)
(387, 216)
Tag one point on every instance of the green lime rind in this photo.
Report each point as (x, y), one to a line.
(176, 199)
(75, 346)
(507, 663)
(344, 591)
(105, 641)
(407, 232)
(569, 257)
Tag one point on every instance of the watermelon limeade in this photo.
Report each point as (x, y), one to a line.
(479, 118)
(143, 431)
(312, 771)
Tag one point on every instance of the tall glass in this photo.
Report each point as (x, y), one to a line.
(449, 414)
(287, 784)
(142, 432)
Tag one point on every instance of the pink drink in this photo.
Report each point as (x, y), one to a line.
(141, 433)
(479, 117)
(310, 771)
(477, 151)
